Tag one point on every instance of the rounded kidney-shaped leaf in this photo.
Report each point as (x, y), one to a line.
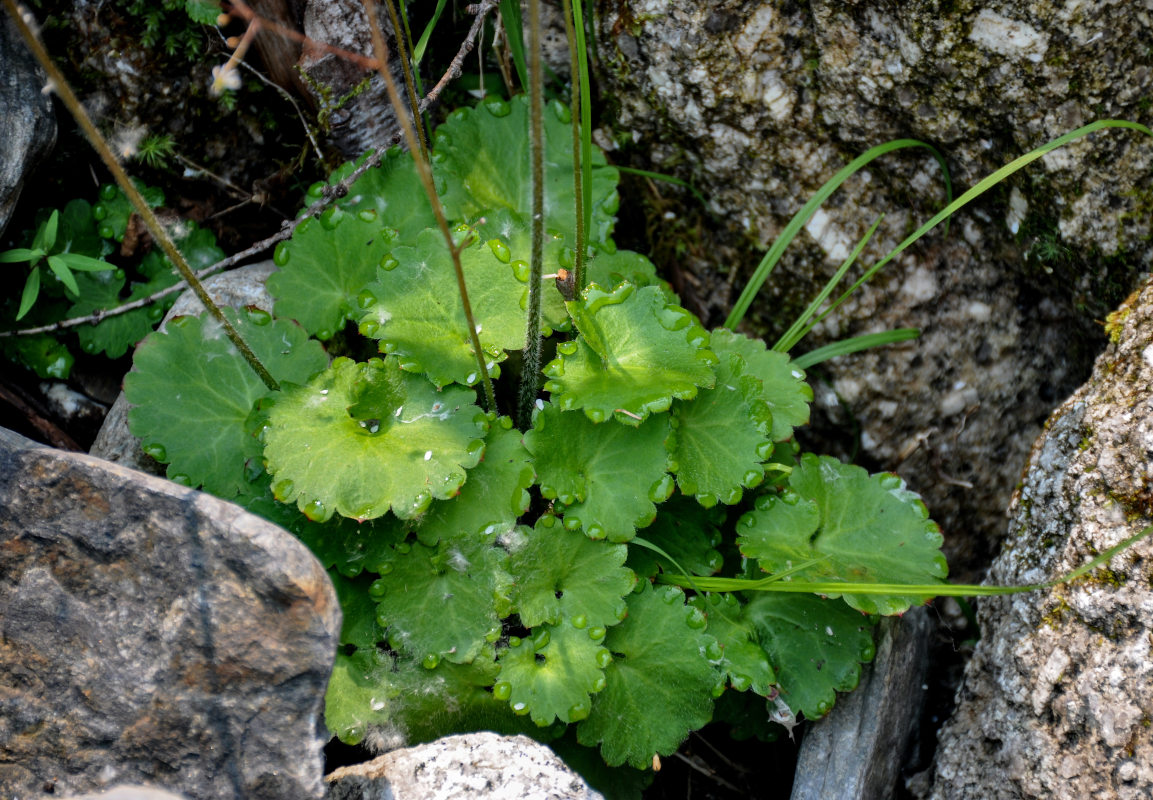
(635, 355)
(854, 527)
(360, 439)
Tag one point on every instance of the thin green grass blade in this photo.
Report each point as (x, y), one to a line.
(660, 176)
(855, 344)
(983, 186)
(773, 583)
(795, 332)
(422, 43)
(514, 28)
(586, 109)
(808, 209)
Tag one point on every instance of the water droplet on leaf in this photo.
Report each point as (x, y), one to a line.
(502, 690)
(580, 621)
(316, 511)
(156, 451)
(500, 250)
(431, 661)
(578, 711)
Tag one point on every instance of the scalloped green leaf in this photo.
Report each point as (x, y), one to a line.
(660, 684)
(561, 574)
(192, 393)
(635, 355)
(361, 439)
(607, 478)
(414, 309)
(723, 436)
(510, 236)
(481, 158)
(345, 544)
(743, 661)
(392, 189)
(442, 603)
(552, 674)
(324, 267)
(494, 494)
(783, 385)
(360, 689)
(685, 530)
(816, 646)
(860, 528)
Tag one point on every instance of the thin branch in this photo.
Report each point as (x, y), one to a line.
(68, 97)
(242, 10)
(424, 171)
(330, 195)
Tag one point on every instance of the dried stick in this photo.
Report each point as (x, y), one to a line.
(424, 171)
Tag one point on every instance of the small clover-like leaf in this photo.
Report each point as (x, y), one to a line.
(482, 157)
(816, 646)
(607, 477)
(392, 189)
(441, 603)
(743, 660)
(361, 439)
(660, 684)
(635, 355)
(494, 495)
(552, 674)
(859, 528)
(562, 574)
(783, 385)
(192, 393)
(414, 308)
(723, 436)
(324, 267)
(686, 531)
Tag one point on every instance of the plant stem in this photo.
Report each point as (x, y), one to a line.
(586, 127)
(424, 170)
(409, 80)
(68, 97)
(578, 102)
(530, 377)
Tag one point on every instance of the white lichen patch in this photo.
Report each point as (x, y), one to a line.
(1018, 208)
(835, 242)
(754, 30)
(1008, 37)
(920, 285)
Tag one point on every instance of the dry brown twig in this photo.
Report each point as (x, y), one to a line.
(330, 193)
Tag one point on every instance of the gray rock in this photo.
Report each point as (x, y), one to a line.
(760, 101)
(477, 765)
(238, 288)
(858, 750)
(1058, 697)
(27, 124)
(127, 792)
(153, 634)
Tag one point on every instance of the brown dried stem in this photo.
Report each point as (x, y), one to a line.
(424, 170)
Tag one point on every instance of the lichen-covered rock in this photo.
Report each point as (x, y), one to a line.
(153, 634)
(1058, 697)
(27, 124)
(485, 766)
(760, 101)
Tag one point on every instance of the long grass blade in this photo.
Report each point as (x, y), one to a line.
(422, 42)
(773, 583)
(796, 330)
(855, 344)
(983, 186)
(808, 209)
(511, 18)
